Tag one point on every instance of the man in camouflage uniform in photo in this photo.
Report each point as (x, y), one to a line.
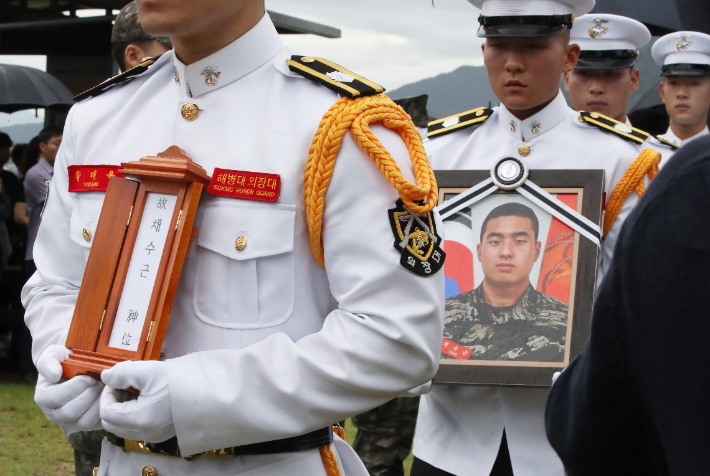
(505, 317)
(534, 329)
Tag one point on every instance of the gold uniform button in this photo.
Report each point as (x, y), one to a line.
(86, 234)
(594, 115)
(524, 150)
(241, 243)
(479, 113)
(96, 471)
(580, 118)
(190, 111)
(148, 470)
(307, 59)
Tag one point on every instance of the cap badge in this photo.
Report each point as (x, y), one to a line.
(452, 121)
(211, 75)
(340, 77)
(598, 28)
(509, 173)
(623, 128)
(684, 42)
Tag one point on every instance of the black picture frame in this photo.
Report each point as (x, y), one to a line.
(536, 374)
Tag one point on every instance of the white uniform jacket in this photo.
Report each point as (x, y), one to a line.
(262, 343)
(459, 428)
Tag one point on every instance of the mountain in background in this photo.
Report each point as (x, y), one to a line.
(22, 133)
(467, 87)
(464, 88)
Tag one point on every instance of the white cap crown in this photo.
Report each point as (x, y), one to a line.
(683, 53)
(602, 31)
(533, 7)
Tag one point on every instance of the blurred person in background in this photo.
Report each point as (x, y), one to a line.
(30, 156)
(130, 44)
(15, 156)
(606, 75)
(684, 57)
(36, 186)
(10, 182)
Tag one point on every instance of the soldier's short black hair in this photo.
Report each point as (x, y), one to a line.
(46, 134)
(512, 209)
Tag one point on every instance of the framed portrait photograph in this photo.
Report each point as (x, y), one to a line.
(520, 280)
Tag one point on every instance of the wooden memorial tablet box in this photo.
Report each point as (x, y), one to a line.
(142, 239)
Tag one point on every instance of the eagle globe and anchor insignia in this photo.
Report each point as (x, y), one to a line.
(509, 173)
(416, 239)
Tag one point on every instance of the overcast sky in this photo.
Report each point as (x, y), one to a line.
(391, 42)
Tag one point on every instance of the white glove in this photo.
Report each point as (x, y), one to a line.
(72, 404)
(423, 389)
(149, 417)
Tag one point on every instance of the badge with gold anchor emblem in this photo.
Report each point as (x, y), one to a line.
(416, 239)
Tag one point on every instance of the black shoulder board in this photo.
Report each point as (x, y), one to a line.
(333, 76)
(118, 79)
(666, 142)
(457, 122)
(637, 136)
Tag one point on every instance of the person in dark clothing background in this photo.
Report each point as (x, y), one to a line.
(16, 229)
(635, 401)
(30, 157)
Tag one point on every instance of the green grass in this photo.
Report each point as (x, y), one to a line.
(30, 445)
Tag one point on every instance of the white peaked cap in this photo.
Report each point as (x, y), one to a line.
(492, 8)
(683, 53)
(602, 31)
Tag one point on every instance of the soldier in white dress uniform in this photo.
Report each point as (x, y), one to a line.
(459, 429)
(265, 347)
(605, 76)
(684, 57)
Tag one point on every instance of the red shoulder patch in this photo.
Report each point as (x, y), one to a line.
(91, 178)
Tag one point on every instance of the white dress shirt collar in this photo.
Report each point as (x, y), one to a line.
(535, 125)
(671, 137)
(236, 60)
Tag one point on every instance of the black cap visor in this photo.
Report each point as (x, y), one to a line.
(532, 26)
(686, 69)
(606, 59)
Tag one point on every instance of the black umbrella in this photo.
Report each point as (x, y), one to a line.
(662, 16)
(22, 87)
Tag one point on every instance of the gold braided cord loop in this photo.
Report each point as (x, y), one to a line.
(329, 461)
(645, 164)
(356, 115)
